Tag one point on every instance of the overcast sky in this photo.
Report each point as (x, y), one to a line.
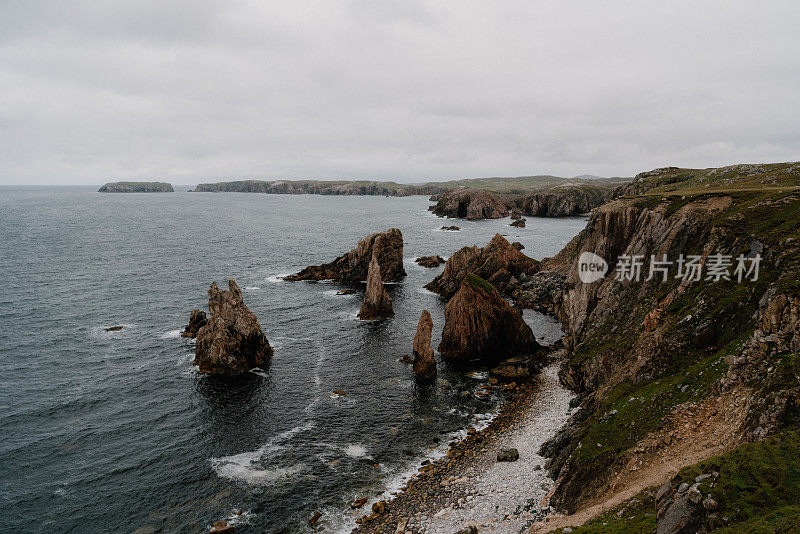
(197, 90)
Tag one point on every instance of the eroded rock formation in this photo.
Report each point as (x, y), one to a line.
(231, 342)
(472, 204)
(519, 223)
(424, 362)
(377, 302)
(352, 267)
(197, 319)
(481, 325)
(498, 262)
(430, 261)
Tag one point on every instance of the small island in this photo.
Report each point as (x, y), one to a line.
(136, 187)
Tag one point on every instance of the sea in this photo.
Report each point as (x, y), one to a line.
(116, 431)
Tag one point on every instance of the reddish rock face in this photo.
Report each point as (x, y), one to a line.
(424, 362)
(497, 262)
(481, 325)
(231, 342)
(430, 261)
(353, 266)
(377, 302)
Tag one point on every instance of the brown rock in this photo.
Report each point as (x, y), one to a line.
(116, 328)
(471, 204)
(430, 261)
(231, 342)
(379, 507)
(497, 262)
(315, 518)
(519, 223)
(352, 267)
(377, 302)
(222, 527)
(197, 319)
(358, 503)
(480, 324)
(424, 362)
(451, 228)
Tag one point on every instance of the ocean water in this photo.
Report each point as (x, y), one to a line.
(116, 431)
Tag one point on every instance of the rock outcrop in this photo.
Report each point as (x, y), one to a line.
(481, 325)
(197, 319)
(321, 187)
(519, 223)
(231, 342)
(424, 362)
(562, 202)
(498, 262)
(430, 261)
(352, 267)
(377, 302)
(136, 187)
(471, 204)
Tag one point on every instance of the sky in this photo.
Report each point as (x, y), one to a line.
(189, 91)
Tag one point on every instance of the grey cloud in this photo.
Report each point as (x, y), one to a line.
(191, 90)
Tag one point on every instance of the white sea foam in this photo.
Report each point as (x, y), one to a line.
(355, 450)
(252, 288)
(275, 278)
(172, 334)
(245, 466)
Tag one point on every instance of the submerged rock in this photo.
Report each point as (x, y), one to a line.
(116, 328)
(197, 319)
(430, 261)
(377, 302)
(386, 246)
(451, 228)
(231, 342)
(424, 362)
(497, 263)
(480, 324)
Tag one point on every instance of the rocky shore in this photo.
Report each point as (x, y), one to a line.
(136, 187)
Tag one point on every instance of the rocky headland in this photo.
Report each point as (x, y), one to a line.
(231, 342)
(136, 187)
(386, 246)
(500, 263)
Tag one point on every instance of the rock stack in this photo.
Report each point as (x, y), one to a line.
(197, 320)
(386, 246)
(377, 302)
(424, 362)
(231, 342)
(481, 325)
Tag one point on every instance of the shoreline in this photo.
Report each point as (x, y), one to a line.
(468, 486)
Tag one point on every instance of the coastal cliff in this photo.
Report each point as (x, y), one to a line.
(681, 376)
(320, 187)
(136, 187)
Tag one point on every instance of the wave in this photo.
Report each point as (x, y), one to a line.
(275, 278)
(172, 334)
(252, 288)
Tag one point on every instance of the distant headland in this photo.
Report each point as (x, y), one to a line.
(136, 187)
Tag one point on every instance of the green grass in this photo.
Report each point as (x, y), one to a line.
(478, 282)
(635, 516)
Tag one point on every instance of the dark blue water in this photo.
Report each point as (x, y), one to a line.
(115, 431)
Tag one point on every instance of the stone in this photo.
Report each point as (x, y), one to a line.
(231, 342)
(379, 507)
(197, 320)
(315, 518)
(519, 223)
(481, 325)
(116, 328)
(358, 503)
(424, 361)
(377, 302)
(353, 267)
(221, 527)
(507, 455)
(496, 263)
(430, 261)
(451, 228)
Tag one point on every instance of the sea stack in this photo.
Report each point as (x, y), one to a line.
(352, 267)
(424, 362)
(481, 325)
(197, 319)
(499, 262)
(377, 302)
(231, 342)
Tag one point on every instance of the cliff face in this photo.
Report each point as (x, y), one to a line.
(352, 267)
(377, 302)
(481, 325)
(231, 342)
(675, 371)
(320, 187)
(136, 187)
(472, 204)
(499, 262)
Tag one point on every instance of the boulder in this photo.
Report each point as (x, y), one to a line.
(480, 324)
(496, 263)
(387, 246)
(231, 342)
(424, 362)
(451, 228)
(507, 455)
(197, 319)
(115, 328)
(430, 261)
(377, 302)
(519, 223)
